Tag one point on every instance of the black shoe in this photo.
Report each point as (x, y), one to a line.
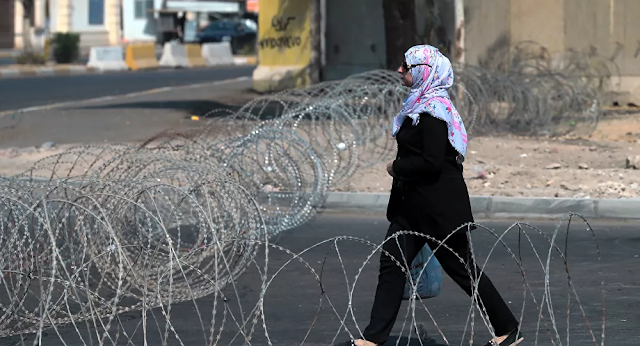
(514, 338)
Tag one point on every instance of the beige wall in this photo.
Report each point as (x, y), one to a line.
(608, 28)
(64, 15)
(560, 25)
(63, 22)
(538, 21)
(487, 29)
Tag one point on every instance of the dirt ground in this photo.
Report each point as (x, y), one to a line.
(603, 165)
(593, 167)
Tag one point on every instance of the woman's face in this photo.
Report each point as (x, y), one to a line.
(407, 78)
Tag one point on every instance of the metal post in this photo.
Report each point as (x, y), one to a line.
(316, 41)
(458, 46)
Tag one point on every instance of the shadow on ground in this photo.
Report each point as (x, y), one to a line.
(190, 107)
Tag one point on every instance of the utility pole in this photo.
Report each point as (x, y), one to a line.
(458, 40)
(317, 38)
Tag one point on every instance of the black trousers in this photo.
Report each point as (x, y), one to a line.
(391, 282)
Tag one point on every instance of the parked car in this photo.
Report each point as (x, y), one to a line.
(238, 33)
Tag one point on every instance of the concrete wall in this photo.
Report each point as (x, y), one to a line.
(73, 16)
(487, 30)
(90, 35)
(608, 29)
(136, 30)
(347, 54)
(284, 45)
(558, 25)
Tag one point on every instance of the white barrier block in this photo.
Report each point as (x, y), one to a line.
(107, 59)
(217, 53)
(174, 55)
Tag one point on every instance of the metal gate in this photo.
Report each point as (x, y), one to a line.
(7, 28)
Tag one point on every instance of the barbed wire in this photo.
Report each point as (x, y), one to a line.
(99, 231)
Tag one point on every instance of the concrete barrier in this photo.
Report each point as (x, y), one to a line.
(141, 56)
(107, 59)
(275, 78)
(194, 55)
(284, 45)
(217, 53)
(174, 55)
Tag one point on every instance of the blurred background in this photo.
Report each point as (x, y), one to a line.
(520, 64)
(333, 39)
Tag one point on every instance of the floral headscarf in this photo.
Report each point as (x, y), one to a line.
(432, 77)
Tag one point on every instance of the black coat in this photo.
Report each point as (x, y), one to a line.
(428, 189)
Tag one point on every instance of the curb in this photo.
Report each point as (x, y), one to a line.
(486, 207)
(45, 71)
(70, 70)
(245, 60)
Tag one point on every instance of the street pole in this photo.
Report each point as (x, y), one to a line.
(316, 40)
(458, 46)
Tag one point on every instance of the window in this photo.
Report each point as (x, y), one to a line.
(96, 12)
(142, 8)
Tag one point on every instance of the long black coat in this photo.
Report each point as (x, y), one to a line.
(428, 189)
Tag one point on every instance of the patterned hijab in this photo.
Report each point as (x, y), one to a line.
(432, 77)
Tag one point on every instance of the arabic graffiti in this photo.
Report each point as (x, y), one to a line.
(281, 42)
(280, 24)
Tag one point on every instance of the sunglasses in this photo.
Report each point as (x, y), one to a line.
(406, 67)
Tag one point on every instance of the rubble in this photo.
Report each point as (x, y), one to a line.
(551, 168)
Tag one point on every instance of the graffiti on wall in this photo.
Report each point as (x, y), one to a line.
(284, 32)
(279, 24)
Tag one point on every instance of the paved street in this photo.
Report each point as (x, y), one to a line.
(123, 119)
(295, 306)
(22, 92)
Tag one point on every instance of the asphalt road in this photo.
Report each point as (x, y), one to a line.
(298, 308)
(122, 119)
(23, 92)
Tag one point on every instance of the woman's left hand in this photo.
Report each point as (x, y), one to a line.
(390, 168)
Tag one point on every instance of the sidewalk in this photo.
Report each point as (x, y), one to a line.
(48, 70)
(31, 70)
(9, 53)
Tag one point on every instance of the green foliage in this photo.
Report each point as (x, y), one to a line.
(66, 47)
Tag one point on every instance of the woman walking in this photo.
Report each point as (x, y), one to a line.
(429, 196)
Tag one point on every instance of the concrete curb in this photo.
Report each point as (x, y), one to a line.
(13, 72)
(45, 71)
(245, 60)
(485, 207)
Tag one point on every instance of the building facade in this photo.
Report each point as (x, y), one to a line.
(97, 21)
(104, 22)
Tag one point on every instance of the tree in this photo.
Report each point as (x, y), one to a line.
(28, 7)
(400, 29)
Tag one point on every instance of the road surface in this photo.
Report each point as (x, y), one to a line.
(23, 92)
(121, 119)
(296, 307)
